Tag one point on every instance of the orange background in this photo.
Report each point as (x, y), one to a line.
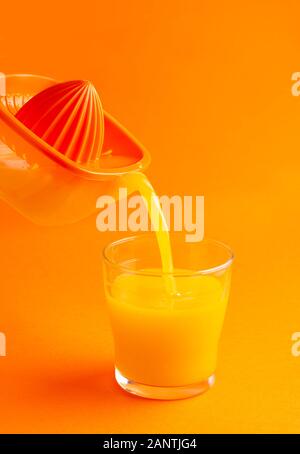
(206, 86)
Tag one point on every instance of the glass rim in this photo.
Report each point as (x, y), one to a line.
(204, 271)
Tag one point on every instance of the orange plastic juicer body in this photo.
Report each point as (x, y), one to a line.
(44, 184)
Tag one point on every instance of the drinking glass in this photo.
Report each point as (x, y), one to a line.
(166, 343)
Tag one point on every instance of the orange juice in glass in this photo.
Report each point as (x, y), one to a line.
(166, 343)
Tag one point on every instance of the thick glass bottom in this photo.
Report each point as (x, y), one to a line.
(163, 392)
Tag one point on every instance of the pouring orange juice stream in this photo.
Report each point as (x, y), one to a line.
(139, 182)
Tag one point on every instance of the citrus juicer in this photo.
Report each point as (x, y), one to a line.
(50, 187)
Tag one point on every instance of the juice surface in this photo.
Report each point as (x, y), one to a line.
(163, 339)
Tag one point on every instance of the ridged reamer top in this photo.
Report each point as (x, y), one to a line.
(69, 117)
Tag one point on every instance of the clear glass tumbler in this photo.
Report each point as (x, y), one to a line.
(166, 343)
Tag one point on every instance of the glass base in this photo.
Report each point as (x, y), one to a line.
(163, 392)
